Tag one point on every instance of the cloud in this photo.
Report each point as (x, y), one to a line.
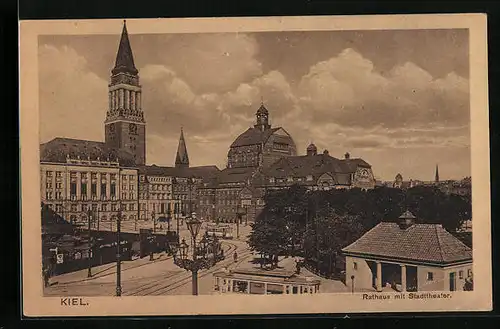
(341, 104)
(73, 100)
(211, 62)
(348, 89)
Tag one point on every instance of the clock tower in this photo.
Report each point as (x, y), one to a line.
(124, 126)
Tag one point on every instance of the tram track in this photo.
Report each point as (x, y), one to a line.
(186, 280)
(160, 287)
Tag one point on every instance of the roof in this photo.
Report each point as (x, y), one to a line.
(124, 57)
(233, 175)
(58, 150)
(428, 243)
(262, 110)
(181, 157)
(204, 172)
(254, 136)
(316, 165)
(268, 276)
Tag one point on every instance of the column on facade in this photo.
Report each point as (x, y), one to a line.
(110, 96)
(128, 99)
(248, 287)
(403, 278)
(132, 100)
(67, 187)
(265, 288)
(138, 100)
(89, 186)
(108, 186)
(379, 276)
(78, 185)
(98, 189)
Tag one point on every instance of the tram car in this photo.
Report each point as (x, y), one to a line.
(258, 282)
(221, 231)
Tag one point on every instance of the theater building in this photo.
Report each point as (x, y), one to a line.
(407, 256)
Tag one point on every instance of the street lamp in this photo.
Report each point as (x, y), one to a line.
(89, 272)
(118, 254)
(154, 221)
(203, 257)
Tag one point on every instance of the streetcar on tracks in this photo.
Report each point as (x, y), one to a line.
(221, 231)
(259, 282)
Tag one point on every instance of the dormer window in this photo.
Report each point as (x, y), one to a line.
(290, 179)
(309, 177)
(271, 180)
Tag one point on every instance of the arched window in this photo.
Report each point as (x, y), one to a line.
(131, 217)
(104, 218)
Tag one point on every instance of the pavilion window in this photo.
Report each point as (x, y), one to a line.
(430, 276)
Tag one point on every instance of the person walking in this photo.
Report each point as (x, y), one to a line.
(235, 256)
(46, 276)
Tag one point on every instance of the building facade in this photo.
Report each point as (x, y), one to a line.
(407, 256)
(265, 158)
(79, 176)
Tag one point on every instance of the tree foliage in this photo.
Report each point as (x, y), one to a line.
(324, 222)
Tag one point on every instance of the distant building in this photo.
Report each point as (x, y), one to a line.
(407, 256)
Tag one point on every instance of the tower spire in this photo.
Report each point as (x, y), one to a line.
(436, 178)
(124, 57)
(182, 158)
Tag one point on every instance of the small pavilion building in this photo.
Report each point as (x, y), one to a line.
(407, 256)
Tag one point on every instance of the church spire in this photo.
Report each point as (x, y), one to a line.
(182, 158)
(124, 57)
(436, 178)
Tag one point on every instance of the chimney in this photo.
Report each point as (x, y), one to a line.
(347, 155)
(406, 220)
(325, 152)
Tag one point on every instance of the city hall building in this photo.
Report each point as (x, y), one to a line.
(81, 175)
(105, 176)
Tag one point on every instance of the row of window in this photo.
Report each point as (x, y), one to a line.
(131, 186)
(95, 207)
(155, 187)
(308, 178)
(83, 217)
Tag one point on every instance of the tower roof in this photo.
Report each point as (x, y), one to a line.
(312, 147)
(262, 110)
(436, 178)
(124, 57)
(182, 158)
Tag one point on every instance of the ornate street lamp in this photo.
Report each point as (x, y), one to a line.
(201, 256)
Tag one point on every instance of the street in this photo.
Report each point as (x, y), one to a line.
(141, 277)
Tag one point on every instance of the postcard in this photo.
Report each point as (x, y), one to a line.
(271, 165)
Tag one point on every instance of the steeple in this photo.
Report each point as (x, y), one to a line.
(436, 178)
(262, 117)
(182, 158)
(125, 127)
(124, 57)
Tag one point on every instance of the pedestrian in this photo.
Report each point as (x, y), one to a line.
(235, 256)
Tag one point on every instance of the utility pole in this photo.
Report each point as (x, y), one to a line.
(89, 272)
(118, 254)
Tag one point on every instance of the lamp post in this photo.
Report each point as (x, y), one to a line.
(153, 217)
(118, 254)
(89, 216)
(204, 256)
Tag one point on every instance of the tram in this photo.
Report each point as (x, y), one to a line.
(221, 231)
(259, 282)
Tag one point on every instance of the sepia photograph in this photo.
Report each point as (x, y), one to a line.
(336, 163)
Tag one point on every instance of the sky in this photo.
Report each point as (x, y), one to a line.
(399, 99)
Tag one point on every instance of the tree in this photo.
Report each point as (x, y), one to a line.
(329, 233)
